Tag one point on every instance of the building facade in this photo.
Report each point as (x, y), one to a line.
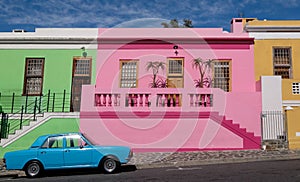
(276, 53)
(41, 78)
(205, 98)
(158, 89)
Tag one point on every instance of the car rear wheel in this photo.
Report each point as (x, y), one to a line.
(33, 169)
(110, 165)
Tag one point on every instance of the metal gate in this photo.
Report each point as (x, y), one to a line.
(273, 125)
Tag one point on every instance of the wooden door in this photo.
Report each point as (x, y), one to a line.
(81, 76)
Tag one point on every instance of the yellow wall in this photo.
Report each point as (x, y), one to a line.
(286, 23)
(287, 93)
(263, 59)
(293, 125)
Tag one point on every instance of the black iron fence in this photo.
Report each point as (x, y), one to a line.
(4, 126)
(48, 102)
(18, 111)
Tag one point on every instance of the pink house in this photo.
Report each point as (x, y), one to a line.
(175, 111)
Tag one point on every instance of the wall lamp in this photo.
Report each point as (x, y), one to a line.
(175, 47)
(84, 53)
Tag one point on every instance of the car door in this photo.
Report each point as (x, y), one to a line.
(77, 153)
(51, 153)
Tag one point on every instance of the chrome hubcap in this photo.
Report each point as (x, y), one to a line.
(110, 165)
(33, 169)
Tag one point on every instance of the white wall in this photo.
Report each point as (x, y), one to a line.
(271, 93)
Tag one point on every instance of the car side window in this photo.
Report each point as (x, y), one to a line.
(75, 141)
(53, 142)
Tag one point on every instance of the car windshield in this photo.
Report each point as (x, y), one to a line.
(89, 139)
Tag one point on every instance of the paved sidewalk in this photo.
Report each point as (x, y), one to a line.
(179, 159)
(150, 160)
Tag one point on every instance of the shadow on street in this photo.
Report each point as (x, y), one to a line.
(84, 171)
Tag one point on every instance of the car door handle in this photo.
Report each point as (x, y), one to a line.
(43, 152)
(67, 150)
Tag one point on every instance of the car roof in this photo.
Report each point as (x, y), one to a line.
(41, 139)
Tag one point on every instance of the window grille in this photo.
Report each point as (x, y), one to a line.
(82, 67)
(175, 66)
(128, 74)
(222, 75)
(34, 76)
(296, 88)
(282, 62)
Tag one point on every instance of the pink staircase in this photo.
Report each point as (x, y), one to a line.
(249, 139)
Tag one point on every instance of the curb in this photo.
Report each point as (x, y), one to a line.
(215, 161)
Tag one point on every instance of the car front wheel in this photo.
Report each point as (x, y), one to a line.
(110, 165)
(33, 169)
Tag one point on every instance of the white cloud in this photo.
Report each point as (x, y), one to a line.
(142, 23)
(288, 3)
(130, 13)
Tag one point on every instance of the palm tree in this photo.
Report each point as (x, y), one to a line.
(155, 66)
(203, 67)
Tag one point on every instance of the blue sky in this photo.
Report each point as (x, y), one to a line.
(31, 14)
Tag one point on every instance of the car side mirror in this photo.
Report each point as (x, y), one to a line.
(81, 146)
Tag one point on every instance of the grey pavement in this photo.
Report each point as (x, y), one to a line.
(179, 159)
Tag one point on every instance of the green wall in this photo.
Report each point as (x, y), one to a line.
(50, 127)
(57, 68)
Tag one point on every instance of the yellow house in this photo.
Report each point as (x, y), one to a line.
(277, 53)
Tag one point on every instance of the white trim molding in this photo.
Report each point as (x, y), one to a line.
(291, 103)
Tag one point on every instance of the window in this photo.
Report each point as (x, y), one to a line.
(75, 141)
(128, 73)
(175, 67)
(33, 76)
(53, 142)
(296, 88)
(175, 72)
(82, 67)
(282, 62)
(221, 75)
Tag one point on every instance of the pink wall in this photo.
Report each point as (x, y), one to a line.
(184, 127)
(192, 43)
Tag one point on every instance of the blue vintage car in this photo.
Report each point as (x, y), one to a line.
(66, 151)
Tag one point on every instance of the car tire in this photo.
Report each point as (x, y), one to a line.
(33, 169)
(109, 165)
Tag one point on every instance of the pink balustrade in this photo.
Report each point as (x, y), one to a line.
(201, 100)
(107, 100)
(168, 100)
(161, 100)
(137, 100)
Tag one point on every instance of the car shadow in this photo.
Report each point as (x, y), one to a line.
(83, 171)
